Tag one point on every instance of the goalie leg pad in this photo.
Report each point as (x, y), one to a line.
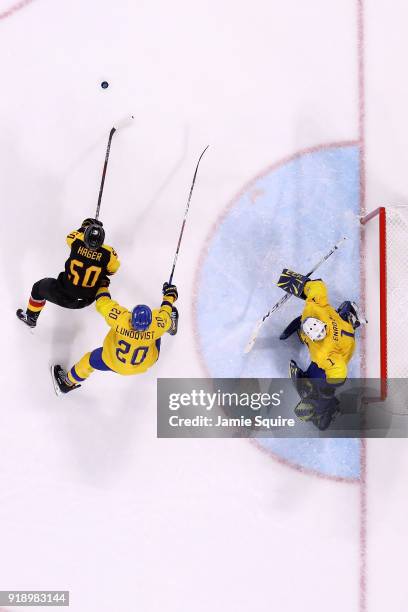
(302, 385)
(320, 412)
(294, 371)
(325, 413)
(293, 283)
(304, 410)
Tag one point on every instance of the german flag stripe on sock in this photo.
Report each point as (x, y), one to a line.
(35, 305)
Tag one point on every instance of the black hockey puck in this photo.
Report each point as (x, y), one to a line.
(104, 84)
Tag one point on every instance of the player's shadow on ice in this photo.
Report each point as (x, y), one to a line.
(63, 334)
(280, 352)
(272, 342)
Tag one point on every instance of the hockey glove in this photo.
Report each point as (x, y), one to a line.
(174, 321)
(105, 282)
(293, 282)
(170, 291)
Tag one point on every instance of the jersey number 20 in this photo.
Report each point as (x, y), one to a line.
(138, 355)
(85, 280)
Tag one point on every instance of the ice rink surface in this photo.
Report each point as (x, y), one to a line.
(304, 107)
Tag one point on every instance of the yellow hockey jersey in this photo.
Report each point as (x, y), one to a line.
(125, 350)
(333, 353)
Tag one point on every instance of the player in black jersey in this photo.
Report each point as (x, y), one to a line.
(87, 268)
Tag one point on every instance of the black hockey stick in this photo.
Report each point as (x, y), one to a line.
(185, 217)
(119, 125)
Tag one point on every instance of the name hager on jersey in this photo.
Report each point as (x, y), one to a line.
(84, 268)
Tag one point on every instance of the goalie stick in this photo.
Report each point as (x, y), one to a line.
(285, 298)
(125, 122)
(185, 217)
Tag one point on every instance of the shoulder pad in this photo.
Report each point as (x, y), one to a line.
(110, 249)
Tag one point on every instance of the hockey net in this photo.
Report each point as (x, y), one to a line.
(385, 262)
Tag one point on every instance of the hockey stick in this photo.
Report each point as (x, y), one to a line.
(285, 298)
(185, 217)
(116, 127)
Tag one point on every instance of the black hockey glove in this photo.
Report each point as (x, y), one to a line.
(170, 291)
(174, 321)
(105, 281)
(293, 282)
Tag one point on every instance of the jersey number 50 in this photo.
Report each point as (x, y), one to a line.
(89, 278)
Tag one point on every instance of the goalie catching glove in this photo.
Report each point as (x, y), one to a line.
(293, 283)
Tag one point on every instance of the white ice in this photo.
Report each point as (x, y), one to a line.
(90, 499)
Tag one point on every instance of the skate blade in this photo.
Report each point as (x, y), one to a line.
(54, 382)
(28, 327)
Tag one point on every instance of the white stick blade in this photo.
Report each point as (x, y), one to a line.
(252, 340)
(124, 122)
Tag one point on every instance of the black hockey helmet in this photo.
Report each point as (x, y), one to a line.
(89, 221)
(94, 236)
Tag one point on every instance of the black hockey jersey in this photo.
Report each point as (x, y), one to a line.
(84, 269)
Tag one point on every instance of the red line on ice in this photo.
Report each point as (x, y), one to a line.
(363, 525)
(361, 142)
(13, 9)
(300, 468)
(363, 185)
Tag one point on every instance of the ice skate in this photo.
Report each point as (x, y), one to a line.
(60, 380)
(30, 319)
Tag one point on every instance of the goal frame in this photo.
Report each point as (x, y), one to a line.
(381, 214)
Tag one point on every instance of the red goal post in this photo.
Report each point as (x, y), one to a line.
(390, 246)
(380, 214)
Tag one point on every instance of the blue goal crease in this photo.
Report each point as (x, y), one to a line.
(300, 211)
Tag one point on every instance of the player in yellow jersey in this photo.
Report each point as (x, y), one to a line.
(86, 269)
(131, 346)
(329, 335)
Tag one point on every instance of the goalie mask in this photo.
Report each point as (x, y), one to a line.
(314, 329)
